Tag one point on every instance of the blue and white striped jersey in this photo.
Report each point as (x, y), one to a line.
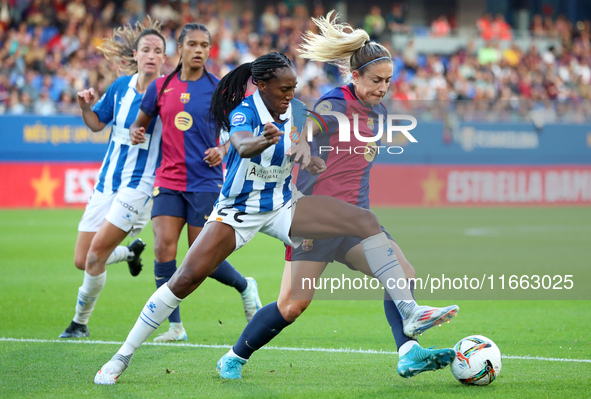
(127, 165)
(261, 183)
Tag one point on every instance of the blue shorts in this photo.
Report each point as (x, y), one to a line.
(327, 250)
(193, 207)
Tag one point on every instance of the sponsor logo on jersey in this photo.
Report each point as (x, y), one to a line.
(370, 152)
(324, 106)
(267, 174)
(130, 208)
(183, 121)
(238, 118)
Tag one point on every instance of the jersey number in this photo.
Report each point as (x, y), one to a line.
(237, 215)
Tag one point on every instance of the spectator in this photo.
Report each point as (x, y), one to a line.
(163, 12)
(549, 28)
(440, 27)
(270, 21)
(41, 38)
(374, 24)
(489, 53)
(67, 104)
(5, 14)
(44, 106)
(76, 10)
(410, 56)
(501, 29)
(537, 26)
(512, 55)
(484, 26)
(108, 13)
(395, 20)
(28, 86)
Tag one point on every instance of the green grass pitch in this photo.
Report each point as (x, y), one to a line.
(546, 342)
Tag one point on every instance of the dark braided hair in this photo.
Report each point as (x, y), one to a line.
(187, 28)
(231, 90)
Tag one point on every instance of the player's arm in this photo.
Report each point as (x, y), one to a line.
(302, 152)
(148, 110)
(137, 130)
(85, 100)
(249, 146)
(316, 166)
(215, 155)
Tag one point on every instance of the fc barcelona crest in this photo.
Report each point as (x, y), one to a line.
(370, 124)
(307, 244)
(185, 97)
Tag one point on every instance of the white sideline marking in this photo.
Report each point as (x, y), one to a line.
(276, 348)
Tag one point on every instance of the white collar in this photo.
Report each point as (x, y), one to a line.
(133, 81)
(264, 113)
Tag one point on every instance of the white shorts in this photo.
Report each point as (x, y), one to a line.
(274, 223)
(129, 209)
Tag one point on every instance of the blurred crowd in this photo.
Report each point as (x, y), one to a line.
(48, 52)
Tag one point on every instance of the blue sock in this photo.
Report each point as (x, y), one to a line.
(162, 273)
(395, 320)
(263, 327)
(226, 274)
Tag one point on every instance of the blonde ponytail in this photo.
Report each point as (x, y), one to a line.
(339, 44)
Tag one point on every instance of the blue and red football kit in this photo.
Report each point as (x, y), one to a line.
(187, 132)
(348, 165)
(185, 186)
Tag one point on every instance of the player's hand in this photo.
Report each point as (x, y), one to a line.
(213, 156)
(272, 134)
(86, 98)
(316, 166)
(300, 153)
(137, 135)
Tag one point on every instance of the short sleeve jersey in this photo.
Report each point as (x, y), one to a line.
(261, 183)
(348, 163)
(187, 132)
(126, 165)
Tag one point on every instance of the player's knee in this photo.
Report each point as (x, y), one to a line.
(366, 223)
(184, 281)
(164, 251)
(80, 262)
(92, 262)
(293, 309)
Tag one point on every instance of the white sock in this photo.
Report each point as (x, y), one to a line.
(120, 254)
(406, 347)
(385, 266)
(157, 309)
(176, 326)
(88, 294)
(232, 354)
